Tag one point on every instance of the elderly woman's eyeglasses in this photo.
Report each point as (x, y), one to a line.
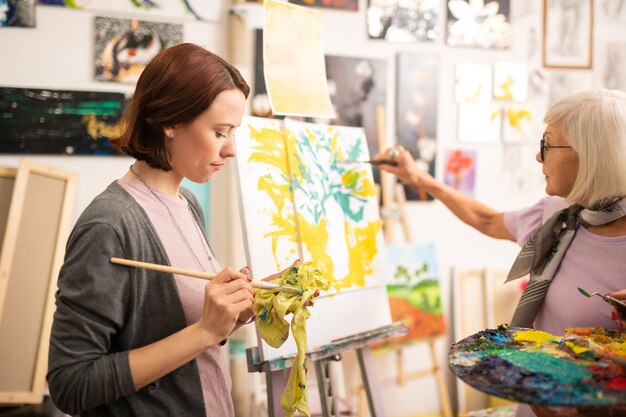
(543, 147)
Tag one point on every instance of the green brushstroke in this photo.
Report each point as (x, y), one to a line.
(562, 370)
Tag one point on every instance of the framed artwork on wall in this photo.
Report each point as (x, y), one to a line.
(568, 34)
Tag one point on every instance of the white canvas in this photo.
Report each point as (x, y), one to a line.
(479, 123)
(472, 83)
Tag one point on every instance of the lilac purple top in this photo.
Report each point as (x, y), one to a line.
(592, 262)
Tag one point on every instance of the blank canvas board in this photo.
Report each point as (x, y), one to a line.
(32, 252)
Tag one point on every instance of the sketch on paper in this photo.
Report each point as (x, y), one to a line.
(610, 65)
(564, 83)
(59, 121)
(417, 88)
(612, 12)
(414, 292)
(476, 23)
(520, 172)
(124, 47)
(352, 5)
(293, 56)
(398, 21)
(518, 124)
(18, 13)
(510, 81)
(479, 123)
(267, 201)
(335, 203)
(472, 83)
(460, 170)
(568, 31)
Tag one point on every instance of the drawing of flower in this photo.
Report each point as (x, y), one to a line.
(478, 24)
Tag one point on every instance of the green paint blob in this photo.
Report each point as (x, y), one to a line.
(562, 370)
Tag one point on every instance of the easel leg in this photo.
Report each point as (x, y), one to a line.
(276, 382)
(370, 382)
(328, 397)
(444, 397)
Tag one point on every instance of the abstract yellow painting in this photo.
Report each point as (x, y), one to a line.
(335, 202)
(301, 199)
(267, 207)
(293, 57)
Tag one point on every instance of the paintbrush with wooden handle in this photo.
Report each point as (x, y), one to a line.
(199, 274)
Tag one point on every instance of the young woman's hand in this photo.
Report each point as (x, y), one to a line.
(279, 274)
(225, 297)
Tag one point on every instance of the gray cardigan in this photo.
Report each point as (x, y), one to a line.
(105, 310)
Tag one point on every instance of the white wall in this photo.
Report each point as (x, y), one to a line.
(59, 54)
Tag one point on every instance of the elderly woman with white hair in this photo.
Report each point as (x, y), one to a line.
(574, 237)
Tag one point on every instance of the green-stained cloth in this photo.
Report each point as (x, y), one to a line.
(271, 308)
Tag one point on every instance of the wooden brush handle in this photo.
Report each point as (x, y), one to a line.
(164, 268)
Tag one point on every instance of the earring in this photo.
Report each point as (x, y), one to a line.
(170, 135)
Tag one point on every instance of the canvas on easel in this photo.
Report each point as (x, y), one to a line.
(283, 175)
(36, 226)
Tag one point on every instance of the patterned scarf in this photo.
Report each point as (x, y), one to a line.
(541, 255)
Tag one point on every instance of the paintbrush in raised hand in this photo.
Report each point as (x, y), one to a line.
(199, 274)
(371, 162)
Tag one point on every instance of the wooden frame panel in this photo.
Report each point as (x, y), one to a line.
(7, 183)
(36, 231)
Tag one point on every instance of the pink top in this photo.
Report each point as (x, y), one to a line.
(214, 375)
(592, 262)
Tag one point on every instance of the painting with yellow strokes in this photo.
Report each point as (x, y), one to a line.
(510, 82)
(267, 207)
(299, 201)
(518, 126)
(293, 58)
(335, 204)
(472, 83)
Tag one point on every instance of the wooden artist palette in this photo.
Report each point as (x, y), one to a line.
(535, 367)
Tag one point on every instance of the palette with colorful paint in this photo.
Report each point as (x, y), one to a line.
(535, 367)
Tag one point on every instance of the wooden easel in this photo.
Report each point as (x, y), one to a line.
(277, 370)
(393, 210)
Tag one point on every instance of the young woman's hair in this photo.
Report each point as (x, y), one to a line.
(178, 85)
(594, 124)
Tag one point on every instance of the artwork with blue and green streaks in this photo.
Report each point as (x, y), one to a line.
(58, 121)
(335, 202)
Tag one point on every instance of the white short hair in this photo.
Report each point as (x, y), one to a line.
(594, 124)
